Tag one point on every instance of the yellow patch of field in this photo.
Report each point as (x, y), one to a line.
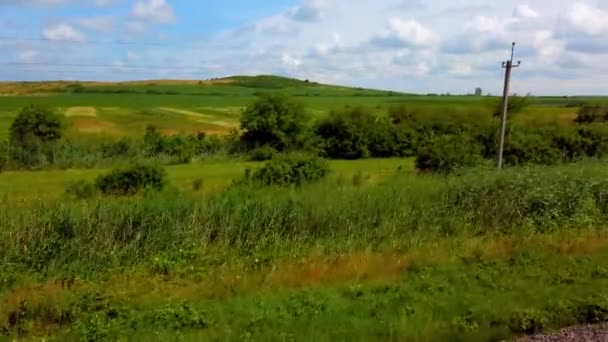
(202, 118)
(81, 111)
(90, 125)
(228, 110)
(185, 112)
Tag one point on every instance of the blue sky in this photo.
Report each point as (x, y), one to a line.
(410, 45)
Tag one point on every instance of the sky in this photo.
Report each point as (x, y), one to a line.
(432, 46)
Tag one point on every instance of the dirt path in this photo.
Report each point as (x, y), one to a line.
(586, 333)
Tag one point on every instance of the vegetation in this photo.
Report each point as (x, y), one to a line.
(33, 135)
(136, 222)
(448, 153)
(174, 238)
(262, 153)
(274, 121)
(292, 169)
(589, 114)
(130, 180)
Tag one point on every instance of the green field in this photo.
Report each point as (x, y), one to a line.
(375, 249)
(216, 176)
(123, 109)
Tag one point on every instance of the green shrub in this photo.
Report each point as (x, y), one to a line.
(528, 322)
(359, 179)
(589, 114)
(263, 153)
(130, 180)
(3, 155)
(346, 135)
(448, 153)
(274, 120)
(528, 146)
(33, 135)
(197, 184)
(292, 169)
(81, 189)
(123, 148)
(538, 196)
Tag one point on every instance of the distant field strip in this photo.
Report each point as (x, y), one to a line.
(81, 111)
(203, 118)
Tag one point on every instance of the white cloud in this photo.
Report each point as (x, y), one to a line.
(28, 56)
(587, 19)
(405, 33)
(425, 46)
(101, 23)
(548, 47)
(460, 69)
(525, 11)
(103, 3)
(131, 56)
(412, 32)
(62, 32)
(290, 62)
(137, 26)
(310, 10)
(158, 11)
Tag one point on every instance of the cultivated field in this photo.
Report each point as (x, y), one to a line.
(195, 211)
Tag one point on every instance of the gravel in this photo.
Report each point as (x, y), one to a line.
(586, 333)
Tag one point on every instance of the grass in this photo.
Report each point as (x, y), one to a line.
(214, 106)
(217, 175)
(477, 257)
(371, 252)
(469, 291)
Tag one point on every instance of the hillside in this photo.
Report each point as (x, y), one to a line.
(233, 85)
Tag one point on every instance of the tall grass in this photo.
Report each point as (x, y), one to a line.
(252, 222)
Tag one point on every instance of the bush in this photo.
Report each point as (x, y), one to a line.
(122, 148)
(3, 155)
(263, 153)
(546, 197)
(81, 189)
(528, 146)
(33, 134)
(448, 153)
(197, 184)
(130, 180)
(180, 146)
(589, 114)
(293, 169)
(346, 135)
(274, 121)
(517, 104)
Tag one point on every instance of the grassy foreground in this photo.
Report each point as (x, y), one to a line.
(482, 256)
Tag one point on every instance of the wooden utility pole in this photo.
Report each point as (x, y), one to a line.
(508, 66)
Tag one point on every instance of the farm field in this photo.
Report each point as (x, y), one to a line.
(151, 216)
(126, 109)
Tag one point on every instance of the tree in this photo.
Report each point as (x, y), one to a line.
(33, 135)
(275, 121)
(346, 135)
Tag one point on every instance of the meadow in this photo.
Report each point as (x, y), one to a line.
(371, 249)
(214, 107)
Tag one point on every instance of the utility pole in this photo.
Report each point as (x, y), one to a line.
(508, 66)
